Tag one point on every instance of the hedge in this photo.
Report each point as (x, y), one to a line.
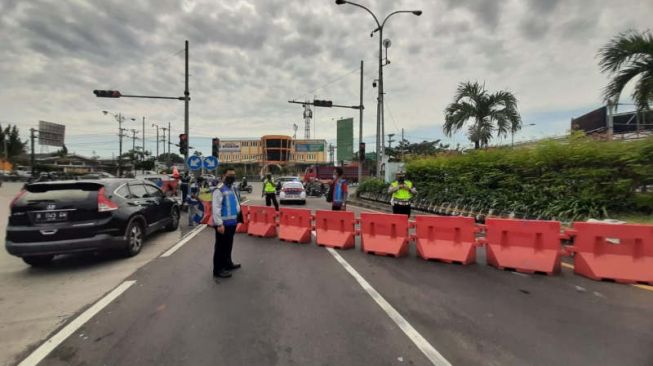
(571, 179)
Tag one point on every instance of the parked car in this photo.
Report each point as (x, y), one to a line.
(292, 191)
(59, 217)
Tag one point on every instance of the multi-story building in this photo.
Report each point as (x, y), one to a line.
(273, 149)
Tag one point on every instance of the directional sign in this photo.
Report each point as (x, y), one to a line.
(194, 163)
(210, 163)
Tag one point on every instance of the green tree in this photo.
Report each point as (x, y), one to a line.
(172, 158)
(489, 113)
(15, 146)
(627, 57)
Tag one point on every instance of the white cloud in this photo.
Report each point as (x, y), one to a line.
(249, 57)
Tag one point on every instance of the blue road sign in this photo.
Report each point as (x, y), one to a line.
(210, 163)
(194, 163)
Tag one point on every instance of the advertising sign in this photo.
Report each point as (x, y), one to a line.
(345, 139)
(51, 134)
(230, 146)
(301, 147)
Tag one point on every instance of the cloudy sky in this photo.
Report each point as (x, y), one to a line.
(249, 57)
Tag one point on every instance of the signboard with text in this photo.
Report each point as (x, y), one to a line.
(229, 146)
(301, 147)
(345, 139)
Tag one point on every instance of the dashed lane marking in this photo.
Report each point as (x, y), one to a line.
(48, 346)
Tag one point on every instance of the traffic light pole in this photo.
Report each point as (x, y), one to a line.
(186, 103)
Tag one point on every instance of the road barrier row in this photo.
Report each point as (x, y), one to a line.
(600, 251)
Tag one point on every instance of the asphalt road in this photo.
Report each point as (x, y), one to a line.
(294, 304)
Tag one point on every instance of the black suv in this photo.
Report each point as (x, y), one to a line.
(60, 217)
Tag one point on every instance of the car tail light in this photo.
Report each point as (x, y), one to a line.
(104, 204)
(18, 196)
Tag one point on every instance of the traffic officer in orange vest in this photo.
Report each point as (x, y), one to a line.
(402, 191)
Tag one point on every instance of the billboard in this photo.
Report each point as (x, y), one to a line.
(51, 134)
(345, 139)
(229, 146)
(304, 147)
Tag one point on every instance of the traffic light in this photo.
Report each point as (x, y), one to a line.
(107, 93)
(215, 147)
(322, 103)
(183, 144)
(361, 151)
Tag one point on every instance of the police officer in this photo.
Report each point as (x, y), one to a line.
(225, 208)
(270, 192)
(402, 191)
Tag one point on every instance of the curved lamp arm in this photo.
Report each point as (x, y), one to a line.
(362, 7)
(415, 12)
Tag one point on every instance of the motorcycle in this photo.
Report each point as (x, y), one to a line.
(245, 188)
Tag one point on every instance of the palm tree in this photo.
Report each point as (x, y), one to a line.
(626, 57)
(489, 112)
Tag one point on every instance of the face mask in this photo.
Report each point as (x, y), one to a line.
(229, 180)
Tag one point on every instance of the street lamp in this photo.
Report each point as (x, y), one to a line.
(379, 108)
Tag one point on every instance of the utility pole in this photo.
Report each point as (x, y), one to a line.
(4, 140)
(134, 132)
(390, 140)
(361, 159)
(186, 102)
(119, 144)
(143, 139)
(164, 142)
(32, 136)
(169, 130)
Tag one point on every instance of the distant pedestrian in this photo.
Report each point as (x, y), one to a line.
(339, 191)
(402, 191)
(185, 181)
(225, 209)
(270, 192)
(192, 200)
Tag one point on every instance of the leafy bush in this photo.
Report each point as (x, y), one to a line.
(372, 185)
(570, 179)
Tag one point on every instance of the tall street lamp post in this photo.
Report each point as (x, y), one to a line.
(379, 107)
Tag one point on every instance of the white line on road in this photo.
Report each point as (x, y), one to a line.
(429, 351)
(184, 240)
(40, 353)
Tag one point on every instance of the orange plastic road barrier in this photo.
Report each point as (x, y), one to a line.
(527, 246)
(623, 253)
(449, 239)
(242, 227)
(295, 225)
(384, 234)
(262, 221)
(335, 229)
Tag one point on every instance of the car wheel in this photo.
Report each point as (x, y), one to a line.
(135, 238)
(174, 223)
(303, 202)
(38, 260)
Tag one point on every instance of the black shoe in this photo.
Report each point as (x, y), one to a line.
(222, 274)
(233, 267)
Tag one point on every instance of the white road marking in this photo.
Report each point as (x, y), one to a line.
(48, 346)
(184, 240)
(429, 351)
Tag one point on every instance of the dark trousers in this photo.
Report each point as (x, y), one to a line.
(184, 192)
(224, 243)
(271, 198)
(401, 209)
